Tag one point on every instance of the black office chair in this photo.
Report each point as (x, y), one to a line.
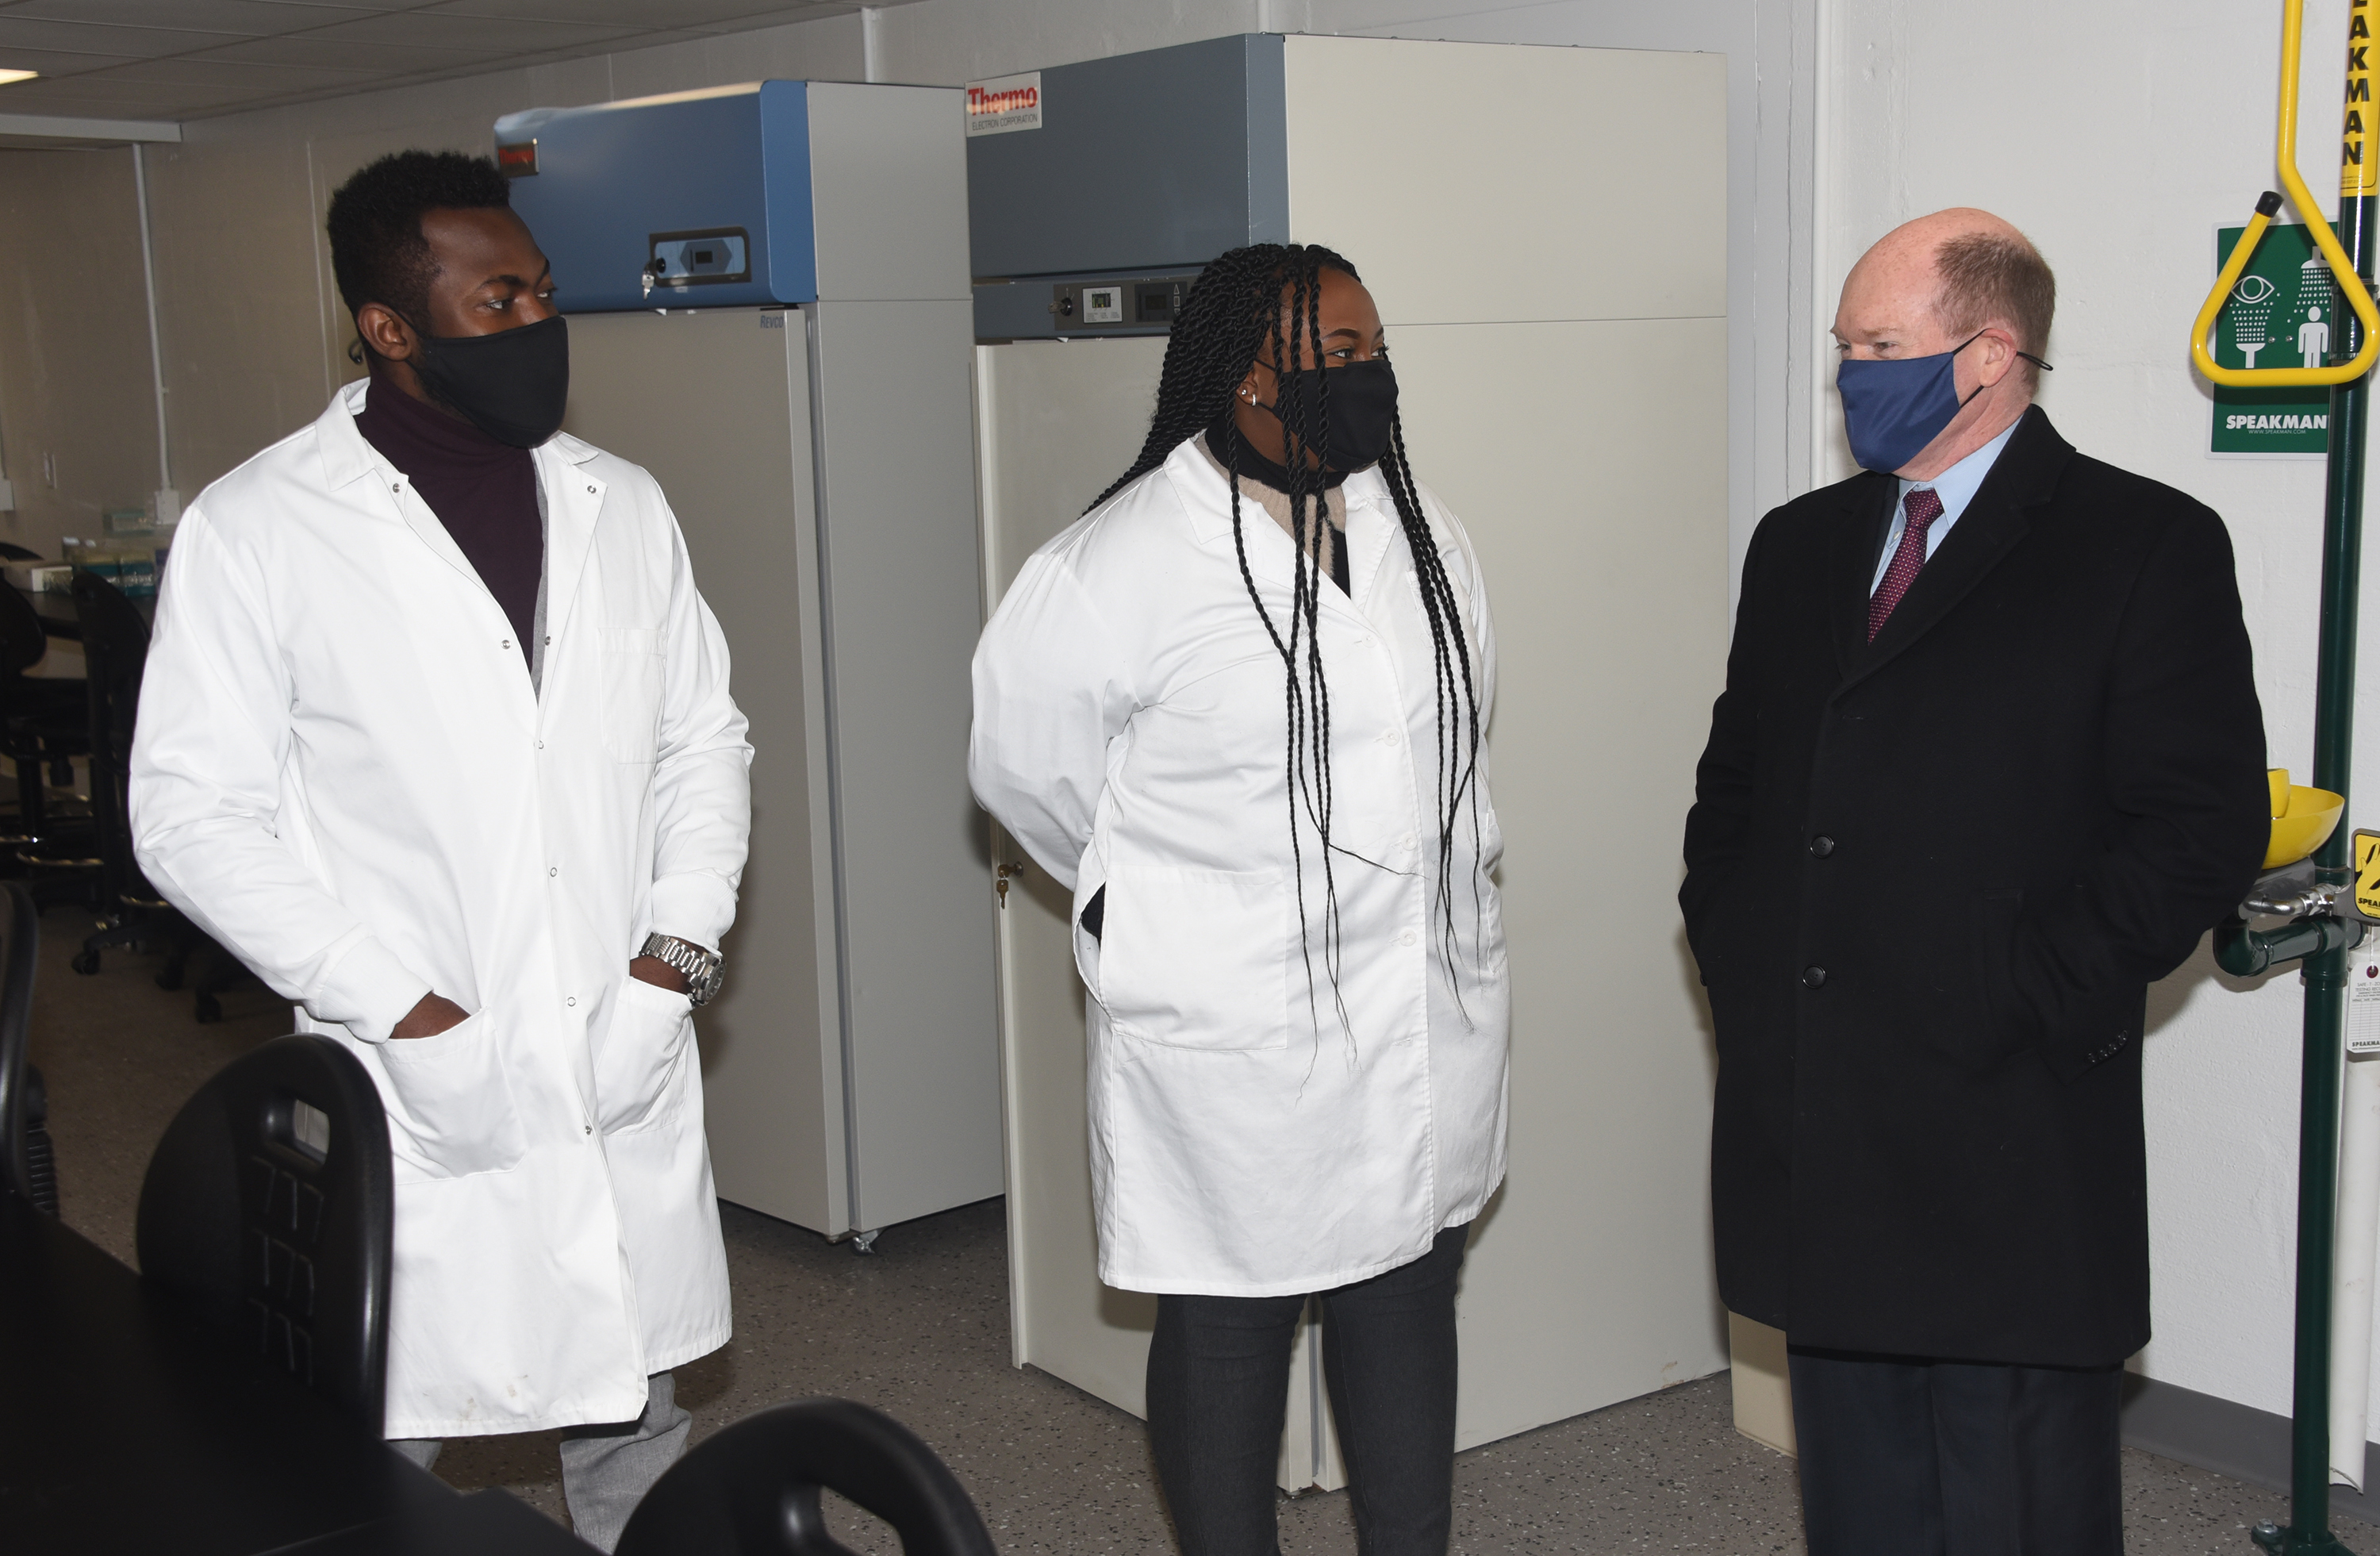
(28, 1169)
(752, 1489)
(9, 552)
(44, 721)
(268, 1205)
(116, 654)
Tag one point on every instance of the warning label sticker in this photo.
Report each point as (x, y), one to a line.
(2367, 874)
(2364, 1000)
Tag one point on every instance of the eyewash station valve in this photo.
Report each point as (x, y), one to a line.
(2316, 903)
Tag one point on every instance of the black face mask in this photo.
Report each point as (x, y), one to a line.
(1363, 410)
(512, 384)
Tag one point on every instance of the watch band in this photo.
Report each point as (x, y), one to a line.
(703, 967)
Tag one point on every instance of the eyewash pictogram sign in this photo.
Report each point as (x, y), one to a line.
(2283, 312)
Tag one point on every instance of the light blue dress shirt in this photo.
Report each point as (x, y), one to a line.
(1956, 486)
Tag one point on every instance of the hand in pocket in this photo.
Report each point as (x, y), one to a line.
(636, 1068)
(449, 1107)
(1197, 958)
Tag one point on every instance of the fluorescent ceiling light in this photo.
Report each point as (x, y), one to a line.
(8, 76)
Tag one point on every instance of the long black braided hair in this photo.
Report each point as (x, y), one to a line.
(1267, 297)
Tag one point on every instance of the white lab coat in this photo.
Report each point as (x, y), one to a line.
(344, 774)
(1130, 732)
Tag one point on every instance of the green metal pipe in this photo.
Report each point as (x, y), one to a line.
(2326, 970)
(2245, 952)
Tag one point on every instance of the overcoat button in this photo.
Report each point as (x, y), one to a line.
(1813, 977)
(1821, 846)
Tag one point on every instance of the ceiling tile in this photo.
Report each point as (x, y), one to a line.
(641, 14)
(261, 79)
(503, 35)
(50, 62)
(341, 54)
(103, 98)
(249, 17)
(76, 37)
(748, 16)
(187, 58)
(76, 103)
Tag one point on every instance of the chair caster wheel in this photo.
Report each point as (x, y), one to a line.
(210, 1009)
(85, 962)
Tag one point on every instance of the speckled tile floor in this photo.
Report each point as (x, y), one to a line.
(920, 1329)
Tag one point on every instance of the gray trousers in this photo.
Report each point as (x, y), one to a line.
(606, 1470)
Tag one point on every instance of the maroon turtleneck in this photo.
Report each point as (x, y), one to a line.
(482, 491)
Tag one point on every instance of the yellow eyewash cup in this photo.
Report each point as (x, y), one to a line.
(2303, 818)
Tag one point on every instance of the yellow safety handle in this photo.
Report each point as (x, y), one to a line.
(2351, 284)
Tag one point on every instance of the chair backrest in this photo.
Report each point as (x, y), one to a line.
(116, 652)
(13, 553)
(16, 1021)
(22, 640)
(268, 1205)
(753, 1489)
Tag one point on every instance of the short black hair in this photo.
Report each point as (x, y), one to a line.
(377, 251)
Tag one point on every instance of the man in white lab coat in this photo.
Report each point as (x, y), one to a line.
(436, 735)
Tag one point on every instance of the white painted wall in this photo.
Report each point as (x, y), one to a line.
(2117, 135)
(78, 420)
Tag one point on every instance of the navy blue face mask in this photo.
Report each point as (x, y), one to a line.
(1892, 408)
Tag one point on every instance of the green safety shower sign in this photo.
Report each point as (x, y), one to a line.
(2282, 313)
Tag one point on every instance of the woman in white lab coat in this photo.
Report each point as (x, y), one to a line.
(1238, 708)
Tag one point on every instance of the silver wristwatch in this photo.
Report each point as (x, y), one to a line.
(702, 969)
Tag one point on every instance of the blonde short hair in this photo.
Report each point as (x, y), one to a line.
(1990, 278)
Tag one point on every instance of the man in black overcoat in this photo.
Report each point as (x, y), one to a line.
(1988, 763)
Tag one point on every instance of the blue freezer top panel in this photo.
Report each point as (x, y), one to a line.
(714, 186)
(1153, 161)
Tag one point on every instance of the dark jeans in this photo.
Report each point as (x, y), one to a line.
(1219, 1387)
(1938, 1458)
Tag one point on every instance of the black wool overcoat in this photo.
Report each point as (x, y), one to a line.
(1928, 882)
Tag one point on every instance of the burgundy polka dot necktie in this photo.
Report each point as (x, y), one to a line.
(1923, 507)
